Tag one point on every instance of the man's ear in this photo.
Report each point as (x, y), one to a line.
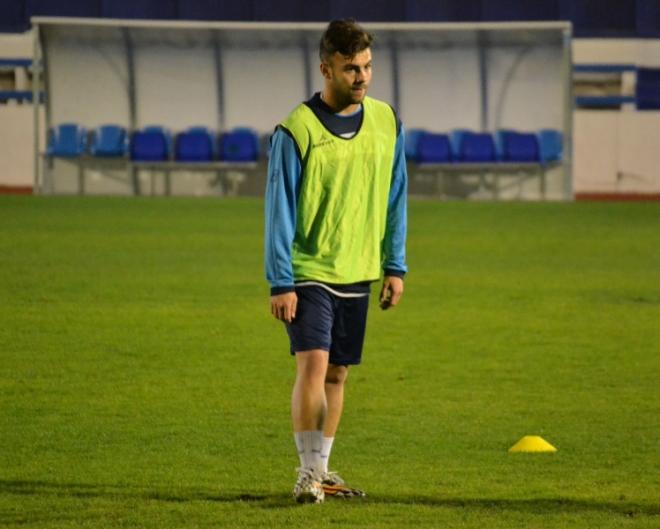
(326, 71)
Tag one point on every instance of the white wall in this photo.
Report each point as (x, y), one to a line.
(262, 87)
(439, 89)
(617, 152)
(175, 87)
(525, 91)
(16, 145)
(88, 85)
(176, 84)
(381, 82)
(643, 52)
(14, 46)
(16, 122)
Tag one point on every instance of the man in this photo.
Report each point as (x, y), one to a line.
(335, 216)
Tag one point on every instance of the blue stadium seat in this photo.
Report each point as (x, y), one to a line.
(194, 145)
(455, 140)
(647, 97)
(412, 144)
(239, 145)
(550, 145)
(67, 140)
(109, 141)
(150, 144)
(499, 142)
(20, 96)
(647, 89)
(473, 147)
(161, 130)
(648, 75)
(517, 146)
(434, 148)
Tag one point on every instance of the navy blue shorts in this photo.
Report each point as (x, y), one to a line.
(329, 322)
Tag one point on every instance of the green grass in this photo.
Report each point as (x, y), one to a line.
(143, 382)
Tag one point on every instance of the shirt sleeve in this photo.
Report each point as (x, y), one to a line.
(394, 245)
(282, 188)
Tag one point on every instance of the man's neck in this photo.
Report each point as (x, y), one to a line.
(326, 97)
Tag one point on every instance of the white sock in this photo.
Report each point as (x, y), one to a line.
(309, 444)
(326, 447)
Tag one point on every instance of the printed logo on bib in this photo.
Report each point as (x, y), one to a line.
(325, 140)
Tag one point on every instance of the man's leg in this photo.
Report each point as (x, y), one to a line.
(347, 339)
(334, 390)
(308, 412)
(308, 401)
(334, 393)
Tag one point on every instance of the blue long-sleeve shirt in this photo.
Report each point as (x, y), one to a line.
(282, 192)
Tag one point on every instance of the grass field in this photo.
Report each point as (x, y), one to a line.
(143, 382)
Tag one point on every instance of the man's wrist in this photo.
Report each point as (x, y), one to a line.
(391, 272)
(276, 291)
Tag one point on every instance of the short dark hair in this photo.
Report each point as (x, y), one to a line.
(345, 36)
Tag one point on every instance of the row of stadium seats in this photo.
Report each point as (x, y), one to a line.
(153, 144)
(465, 146)
(199, 144)
(647, 86)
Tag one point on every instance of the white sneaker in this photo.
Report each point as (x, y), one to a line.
(333, 485)
(308, 488)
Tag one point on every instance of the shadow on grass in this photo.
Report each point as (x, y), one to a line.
(557, 505)
(175, 495)
(284, 501)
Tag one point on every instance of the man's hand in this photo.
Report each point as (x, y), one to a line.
(391, 292)
(283, 306)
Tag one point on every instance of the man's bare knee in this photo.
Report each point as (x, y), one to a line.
(312, 364)
(336, 374)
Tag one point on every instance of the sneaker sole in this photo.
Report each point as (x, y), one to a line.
(308, 497)
(342, 491)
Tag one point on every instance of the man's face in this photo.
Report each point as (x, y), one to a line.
(348, 77)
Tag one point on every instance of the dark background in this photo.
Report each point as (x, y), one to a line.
(591, 18)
